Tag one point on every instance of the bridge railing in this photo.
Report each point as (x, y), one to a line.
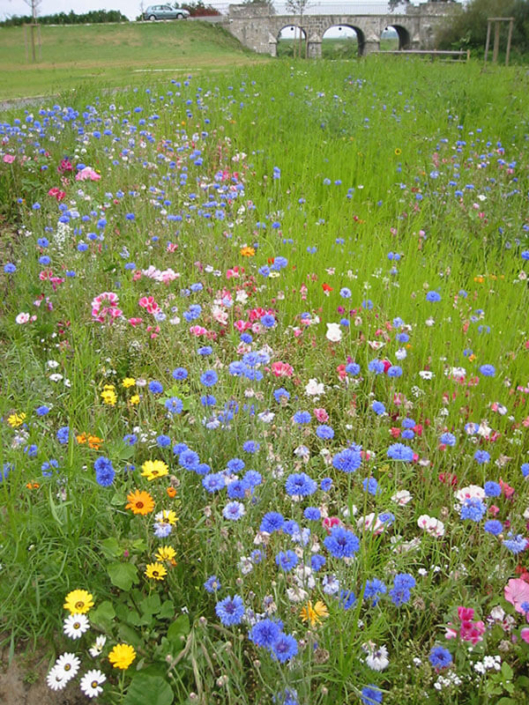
(319, 8)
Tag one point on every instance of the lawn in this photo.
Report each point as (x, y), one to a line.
(265, 381)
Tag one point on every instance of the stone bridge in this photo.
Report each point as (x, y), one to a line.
(257, 29)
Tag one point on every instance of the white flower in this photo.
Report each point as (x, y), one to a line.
(52, 364)
(55, 377)
(56, 679)
(297, 594)
(98, 646)
(431, 525)
(334, 332)
(245, 565)
(377, 659)
(75, 625)
(425, 374)
(91, 683)
(401, 354)
(314, 388)
(22, 318)
(402, 497)
(67, 665)
(430, 322)
(497, 613)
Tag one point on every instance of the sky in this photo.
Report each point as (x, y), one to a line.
(131, 8)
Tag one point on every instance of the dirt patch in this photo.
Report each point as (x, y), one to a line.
(23, 682)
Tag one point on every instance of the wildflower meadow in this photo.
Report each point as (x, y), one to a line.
(265, 381)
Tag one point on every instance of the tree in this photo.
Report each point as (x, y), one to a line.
(298, 7)
(34, 7)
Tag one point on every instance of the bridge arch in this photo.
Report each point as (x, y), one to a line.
(403, 35)
(291, 41)
(347, 30)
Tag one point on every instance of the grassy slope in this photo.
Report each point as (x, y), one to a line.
(112, 54)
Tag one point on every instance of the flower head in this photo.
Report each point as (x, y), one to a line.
(78, 602)
(121, 656)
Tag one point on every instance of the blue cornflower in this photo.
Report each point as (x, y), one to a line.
(370, 485)
(347, 599)
(371, 695)
(230, 611)
(492, 489)
(188, 459)
(493, 526)
(291, 527)
(179, 448)
(341, 543)
(471, 428)
(209, 378)
(515, 544)
(233, 511)
(399, 451)
(235, 465)
(317, 562)
(408, 423)
(104, 472)
(212, 583)
(281, 394)
(286, 560)
(312, 514)
(208, 400)
(407, 434)
(285, 648)
(473, 509)
(433, 296)
(48, 466)
(373, 589)
(213, 482)
(353, 368)
(10, 268)
(5, 470)
(268, 321)
(525, 469)
(237, 489)
(325, 432)
(163, 441)
(376, 366)
(130, 439)
(155, 387)
(272, 521)
(31, 451)
(265, 633)
(257, 556)
(174, 405)
(180, 373)
(404, 580)
(63, 434)
(481, 456)
(326, 484)
(162, 529)
(42, 410)
(378, 407)
(250, 446)
(345, 293)
(487, 370)
(395, 371)
(440, 657)
(302, 417)
(447, 439)
(253, 478)
(286, 697)
(300, 485)
(400, 596)
(205, 350)
(347, 460)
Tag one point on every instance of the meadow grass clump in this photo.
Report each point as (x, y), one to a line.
(265, 382)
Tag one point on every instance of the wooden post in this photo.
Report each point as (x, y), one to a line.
(496, 47)
(487, 43)
(509, 38)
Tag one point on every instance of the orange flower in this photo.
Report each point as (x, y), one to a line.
(94, 442)
(32, 485)
(140, 502)
(314, 614)
(247, 251)
(326, 287)
(171, 492)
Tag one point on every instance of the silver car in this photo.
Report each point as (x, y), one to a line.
(165, 12)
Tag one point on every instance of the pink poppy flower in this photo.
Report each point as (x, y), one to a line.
(517, 592)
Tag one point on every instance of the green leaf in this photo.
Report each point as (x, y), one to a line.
(506, 671)
(506, 701)
(103, 615)
(154, 688)
(139, 545)
(129, 635)
(166, 610)
(151, 605)
(523, 682)
(118, 499)
(111, 548)
(178, 629)
(123, 575)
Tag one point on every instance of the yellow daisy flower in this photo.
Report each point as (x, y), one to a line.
(78, 602)
(165, 553)
(135, 399)
(314, 614)
(121, 656)
(128, 382)
(16, 420)
(156, 571)
(153, 469)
